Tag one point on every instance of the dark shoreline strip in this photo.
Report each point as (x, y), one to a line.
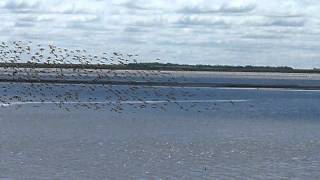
(163, 67)
(168, 84)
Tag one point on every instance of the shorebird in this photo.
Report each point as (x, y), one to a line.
(70, 65)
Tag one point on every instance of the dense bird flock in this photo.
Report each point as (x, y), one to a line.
(90, 88)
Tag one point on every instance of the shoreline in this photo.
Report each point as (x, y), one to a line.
(165, 67)
(162, 78)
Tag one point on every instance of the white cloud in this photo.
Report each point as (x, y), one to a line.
(207, 7)
(19, 4)
(193, 31)
(83, 18)
(238, 6)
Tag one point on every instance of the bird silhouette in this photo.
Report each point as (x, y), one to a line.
(83, 80)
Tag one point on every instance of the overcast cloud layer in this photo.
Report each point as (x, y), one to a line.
(233, 32)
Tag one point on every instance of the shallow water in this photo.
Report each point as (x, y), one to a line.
(205, 133)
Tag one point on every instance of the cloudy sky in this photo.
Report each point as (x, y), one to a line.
(231, 32)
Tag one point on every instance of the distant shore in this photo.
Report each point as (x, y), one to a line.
(164, 67)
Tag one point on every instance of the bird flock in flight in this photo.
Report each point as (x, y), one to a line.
(78, 86)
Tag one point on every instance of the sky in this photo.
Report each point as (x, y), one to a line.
(227, 32)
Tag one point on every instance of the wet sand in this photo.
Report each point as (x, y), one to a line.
(163, 78)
